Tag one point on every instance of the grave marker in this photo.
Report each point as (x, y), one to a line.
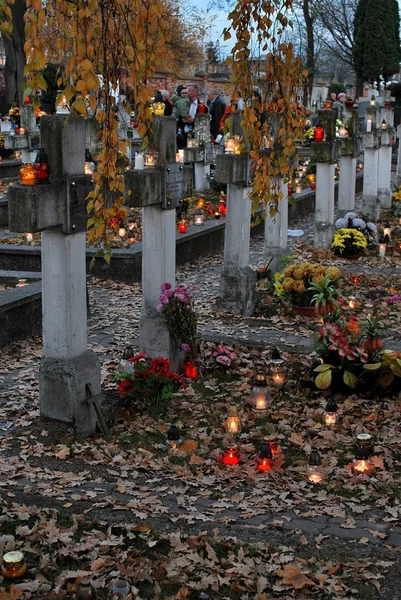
(58, 210)
(370, 144)
(159, 191)
(348, 153)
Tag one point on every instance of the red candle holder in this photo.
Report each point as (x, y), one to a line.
(355, 279)
(222, 208)
(313, 186)
(190, 369)
(264, 461)
(399, 245)
(231, 455)
(290, 190)
(319, 133)
(201, 108)
(182, 227)
(374, 282)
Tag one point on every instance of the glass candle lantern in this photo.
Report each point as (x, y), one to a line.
(343, 131)
(173, 437)
(182, 226)
(21, 283)
(89, 167)
(201, 203)
(217, 215)
(372, 101)
(86, 591)
(42, 167)
(150, 159)
(384, 124)
(158, 108)
(278, 372)
(382, 248)
(121, 589)
(13, 566)
(361, 463)
(124, 365)
(132, 224)
(260, 394)
(272, 441)
(232, 423)
(369, 125)
(229, 145)
(319, 133)
(315, 469)
(387, 231)
(121, 229)
(27, 174)
(199, 217)
(330, 416)
(365, 440)
(139, 163)
(355, 279)
(190, 369)
(264, 461)
(231, 455)
(327, 104)
(29, 238)
(21, 130)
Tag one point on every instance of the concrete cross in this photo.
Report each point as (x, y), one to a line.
(201, 155)
(27, 142)
(238, 280)
(323, 154)
(58, 210)
(159, 191)
(371, 140)
(348, 152)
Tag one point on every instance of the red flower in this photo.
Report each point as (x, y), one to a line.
(137, 358)
(125, 388)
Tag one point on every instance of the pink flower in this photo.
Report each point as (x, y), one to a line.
(222, 359)
(166, 286)
(185, 347)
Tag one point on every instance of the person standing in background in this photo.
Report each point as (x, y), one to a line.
(217, 107)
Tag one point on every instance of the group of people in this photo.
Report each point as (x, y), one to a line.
(185, 105)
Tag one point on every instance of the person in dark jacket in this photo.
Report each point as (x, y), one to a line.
(217, 107)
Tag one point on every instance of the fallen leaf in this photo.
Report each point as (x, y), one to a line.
(292, 575)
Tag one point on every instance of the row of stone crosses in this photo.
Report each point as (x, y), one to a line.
(69, 378)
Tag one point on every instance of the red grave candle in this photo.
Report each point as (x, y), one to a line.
(319, 133)
(182, 226)
(231, 456)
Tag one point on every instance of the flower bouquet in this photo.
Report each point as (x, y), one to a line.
(352, 221)
(224, 356)
(176, 306)
(151, 382)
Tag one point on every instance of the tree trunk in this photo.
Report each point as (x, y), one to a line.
(310, 50)
(15, 56)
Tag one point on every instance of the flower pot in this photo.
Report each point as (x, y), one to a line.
(304, 311)
(325, 310)
(351, 256)
(370, 345)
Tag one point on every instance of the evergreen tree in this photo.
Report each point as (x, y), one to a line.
(377, 50)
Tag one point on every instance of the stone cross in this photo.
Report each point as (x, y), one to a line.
(238, 280)
(276, 227)
(58, 210)
(348, 152)
(386, 120)
(159, 191)
(27, 142)
(323, 154)
(370, 143)
(200, 155)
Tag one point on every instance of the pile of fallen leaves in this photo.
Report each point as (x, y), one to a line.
(60, 551)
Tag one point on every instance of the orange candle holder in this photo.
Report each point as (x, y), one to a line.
(27, 174)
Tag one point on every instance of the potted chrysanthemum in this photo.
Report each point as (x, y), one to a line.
(311, 288)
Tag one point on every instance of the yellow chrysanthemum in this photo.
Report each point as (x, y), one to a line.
(333, 273)
(299, 287)
(288, 284)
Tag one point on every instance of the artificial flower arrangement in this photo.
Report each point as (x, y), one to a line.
(151, 382)
(176, 306)
(301, 282)
(224, 356)
(352, 356)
